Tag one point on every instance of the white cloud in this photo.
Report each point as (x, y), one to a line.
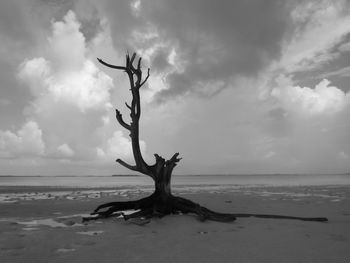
(71, 96)
(68, 76)
(323, 99)
(27, 141)
(118, 147)
(67, 43)
(35, 72)
(65, 150)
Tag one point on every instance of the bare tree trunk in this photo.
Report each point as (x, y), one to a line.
(161, 202)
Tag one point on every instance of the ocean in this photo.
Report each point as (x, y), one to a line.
(177, 180)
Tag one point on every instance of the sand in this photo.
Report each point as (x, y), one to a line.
(44, 225)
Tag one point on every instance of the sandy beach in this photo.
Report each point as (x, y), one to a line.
(41, 224)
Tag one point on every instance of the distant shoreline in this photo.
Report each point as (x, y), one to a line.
(137, 175)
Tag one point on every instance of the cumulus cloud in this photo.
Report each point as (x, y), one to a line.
(323, 99)
(118, 146)
(67, 43)
(308, 126)
(68, 76)
(34, 72)
(71, 100)
(27, 141)
(65, 150)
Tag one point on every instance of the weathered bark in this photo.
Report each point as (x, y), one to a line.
(161, 202)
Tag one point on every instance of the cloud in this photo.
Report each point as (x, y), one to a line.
(224, 50)
(34, 72)
(26, 142)
(118, 146)
(67, 43)
(67, 76)
(343, 72)
(65, 150)
(308, 126)
(212, 41)
(319, 26)
(71, 97)
(323, 99)
(345, 47)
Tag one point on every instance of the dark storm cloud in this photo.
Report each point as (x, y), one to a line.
(219, 39)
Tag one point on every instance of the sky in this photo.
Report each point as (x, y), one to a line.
(236, 87)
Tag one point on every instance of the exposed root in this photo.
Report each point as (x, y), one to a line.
(315, 219)
(144, 213)
(154, 206)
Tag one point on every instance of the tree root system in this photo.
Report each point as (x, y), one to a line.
(156, 206)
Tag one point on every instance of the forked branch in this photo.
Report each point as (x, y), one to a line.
(136, 81)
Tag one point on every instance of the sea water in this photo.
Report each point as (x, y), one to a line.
(122, 181)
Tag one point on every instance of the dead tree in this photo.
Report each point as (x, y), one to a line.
(161, 202)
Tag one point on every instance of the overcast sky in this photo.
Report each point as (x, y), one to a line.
(244, 86)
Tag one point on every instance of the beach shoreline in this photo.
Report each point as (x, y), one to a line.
(43, 224)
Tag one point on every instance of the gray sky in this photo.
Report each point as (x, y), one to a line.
(246, 86)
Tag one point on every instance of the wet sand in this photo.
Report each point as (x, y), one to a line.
(44, 225)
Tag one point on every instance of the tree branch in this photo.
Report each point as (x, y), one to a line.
(127, 105)
(174, 158)
(119, 117)
(110, 65)
(126, 165)
(135, 78)
(139, 64)
(143, 82)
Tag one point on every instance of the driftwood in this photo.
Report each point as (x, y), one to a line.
(161, 202)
